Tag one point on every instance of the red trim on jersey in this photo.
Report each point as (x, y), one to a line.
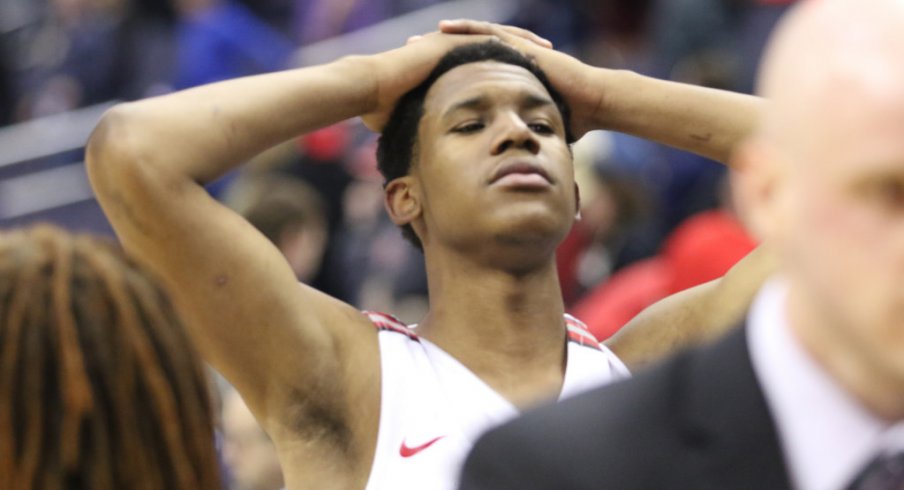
(385, 321)
(577, 332)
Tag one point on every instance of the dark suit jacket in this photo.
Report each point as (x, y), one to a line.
(697, 421)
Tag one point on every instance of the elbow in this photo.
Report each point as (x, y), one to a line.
(109, 140)
(113, 153)
(108, 143)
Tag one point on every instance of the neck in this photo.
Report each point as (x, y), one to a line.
(507, 327)
(826, 338)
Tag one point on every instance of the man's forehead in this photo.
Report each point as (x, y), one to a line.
(834, 76)
(475, 79)
(821, 41)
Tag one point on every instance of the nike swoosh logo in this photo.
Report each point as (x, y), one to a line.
(406, 452)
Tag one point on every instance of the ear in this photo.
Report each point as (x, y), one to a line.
(577, 202)
(756, 180)
(402, 201)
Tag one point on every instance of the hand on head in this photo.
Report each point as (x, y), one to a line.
(399, 70)
(567, 74)
(402, 69)
(515, 36)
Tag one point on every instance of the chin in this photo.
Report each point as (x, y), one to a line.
(534, 224)
(534, 234)
(522, 251)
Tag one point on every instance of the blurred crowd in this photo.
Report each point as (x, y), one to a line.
(58, 55)
(654, 220)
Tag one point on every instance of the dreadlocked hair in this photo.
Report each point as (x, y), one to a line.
(100, 387)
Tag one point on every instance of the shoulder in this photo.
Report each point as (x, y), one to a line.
(384, 322)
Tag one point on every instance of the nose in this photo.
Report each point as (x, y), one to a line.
(515, 134)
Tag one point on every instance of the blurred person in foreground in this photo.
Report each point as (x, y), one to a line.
(248, 451)
(809, 393)
(101, 387)
(475, 152)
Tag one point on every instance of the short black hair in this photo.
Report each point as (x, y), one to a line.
(397, 145)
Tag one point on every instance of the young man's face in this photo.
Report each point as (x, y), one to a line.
(492, 165)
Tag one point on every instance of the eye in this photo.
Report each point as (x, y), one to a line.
(541, 128)
(887, 193)
(468, 127)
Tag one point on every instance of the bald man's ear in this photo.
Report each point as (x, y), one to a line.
(402, 200)
(755, 181)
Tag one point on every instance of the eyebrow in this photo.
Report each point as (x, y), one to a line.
(528, 101)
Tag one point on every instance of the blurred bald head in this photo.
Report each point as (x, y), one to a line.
(833, 76)
(826, 59)
(824, 184)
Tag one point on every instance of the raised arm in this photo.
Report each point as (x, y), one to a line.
(299, 358)
(701, 120)
(705, 121)
(147, 162)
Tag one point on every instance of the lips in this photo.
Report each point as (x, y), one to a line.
(521, 173)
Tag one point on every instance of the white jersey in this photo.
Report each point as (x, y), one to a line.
(433, 408)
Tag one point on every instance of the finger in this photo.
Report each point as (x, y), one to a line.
(420, 37)
(455, 38)
(467, 26)
(526, 34)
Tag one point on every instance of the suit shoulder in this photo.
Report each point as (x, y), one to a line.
(645, 398)
(593, 435)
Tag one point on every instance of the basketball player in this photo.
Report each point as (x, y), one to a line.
(475, 151)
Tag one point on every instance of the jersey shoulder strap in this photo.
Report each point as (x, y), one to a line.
(387, 322)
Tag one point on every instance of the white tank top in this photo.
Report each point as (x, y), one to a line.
(433, 408)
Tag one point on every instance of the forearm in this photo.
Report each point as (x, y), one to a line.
(705, 121)
(701, 120)
(201, 133)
